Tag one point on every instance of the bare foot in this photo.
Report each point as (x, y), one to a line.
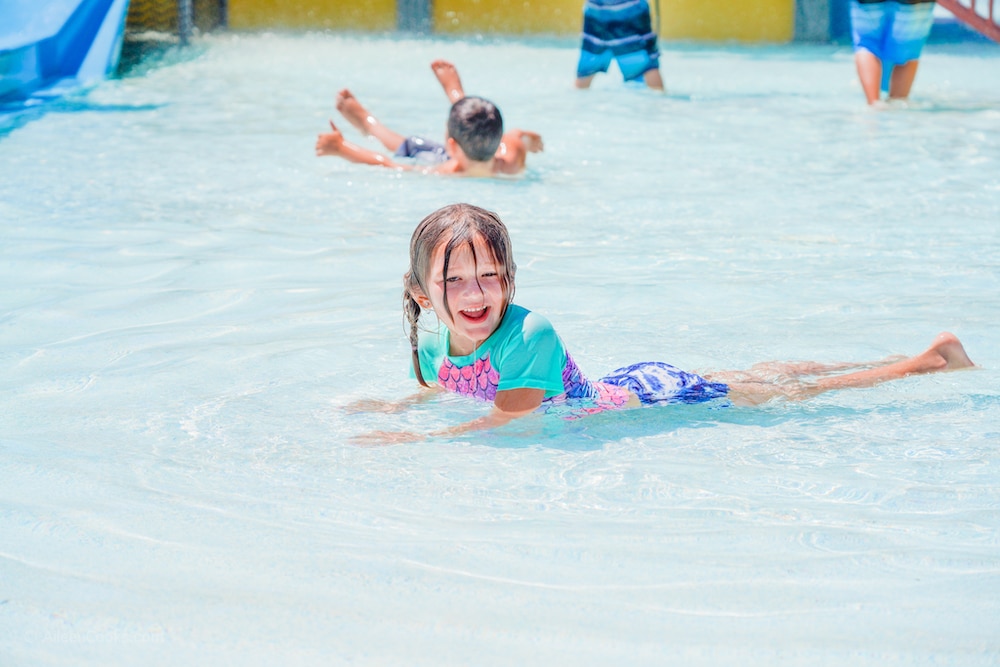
(951, 350)
(331, 143)
(356, 114)
(447, 76)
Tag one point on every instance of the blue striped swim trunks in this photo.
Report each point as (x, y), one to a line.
(655, 382)
(619, 30)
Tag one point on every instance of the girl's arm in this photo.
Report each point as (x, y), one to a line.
(507, 406)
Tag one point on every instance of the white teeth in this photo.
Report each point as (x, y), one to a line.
(474, 310)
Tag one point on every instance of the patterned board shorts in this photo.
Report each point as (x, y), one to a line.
(656, 382)
(894, 32)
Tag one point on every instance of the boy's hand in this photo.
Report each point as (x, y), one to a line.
(532, 141)
(331, 143)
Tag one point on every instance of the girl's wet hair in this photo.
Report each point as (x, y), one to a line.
(455, 225)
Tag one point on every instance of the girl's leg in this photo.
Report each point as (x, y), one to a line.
(812, 368)
(761, 383)
(946, 353)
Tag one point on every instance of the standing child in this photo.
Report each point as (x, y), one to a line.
(888, 36)
(462, 269)
(620, 30)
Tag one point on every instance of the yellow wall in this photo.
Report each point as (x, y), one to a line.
(313, 14)
(517, 17)
(699, 20)
(710, 20)
(723, 20)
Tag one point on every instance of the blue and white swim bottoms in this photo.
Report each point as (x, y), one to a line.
(655, 382)
(618, 29)
(422, 150)
(894, 31)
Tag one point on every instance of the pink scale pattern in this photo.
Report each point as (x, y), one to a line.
(478, 379)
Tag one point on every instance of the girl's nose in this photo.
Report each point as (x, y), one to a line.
(472, 289)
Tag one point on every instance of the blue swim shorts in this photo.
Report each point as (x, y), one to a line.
(619, 30)
(894, 32)
(655, 382)
(422, 150)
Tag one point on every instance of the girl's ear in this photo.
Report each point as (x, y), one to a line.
(420, 298)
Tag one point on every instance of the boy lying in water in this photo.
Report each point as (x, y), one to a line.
(475, 145)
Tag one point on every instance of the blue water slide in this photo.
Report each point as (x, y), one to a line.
(48, 47)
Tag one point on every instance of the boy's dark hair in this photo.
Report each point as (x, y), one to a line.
(476, 125)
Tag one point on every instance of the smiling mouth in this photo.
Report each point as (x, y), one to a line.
(475, 315)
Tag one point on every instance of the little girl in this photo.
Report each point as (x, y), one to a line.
(462, 268)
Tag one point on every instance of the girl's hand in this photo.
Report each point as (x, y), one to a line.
(375, 405)
(378, 438)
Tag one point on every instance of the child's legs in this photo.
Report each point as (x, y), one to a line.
(945, 353)
(780, 379)
(902, 79)
(641, 64)
(869, 73)
(911, 25)
(590, 64)
(615, 30)
(388, 138)
(358, 116)
(762, 383)
(869, 26)
(653, 79)
(812, 368)
(448, 77)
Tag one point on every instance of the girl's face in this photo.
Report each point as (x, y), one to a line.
(474, 291)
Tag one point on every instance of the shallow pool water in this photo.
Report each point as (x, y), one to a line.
(188, 298)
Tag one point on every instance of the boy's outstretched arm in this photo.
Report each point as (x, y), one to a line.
(333, 143)
(515, 145)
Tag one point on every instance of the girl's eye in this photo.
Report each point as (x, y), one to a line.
(490, 274)
(452, 279)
